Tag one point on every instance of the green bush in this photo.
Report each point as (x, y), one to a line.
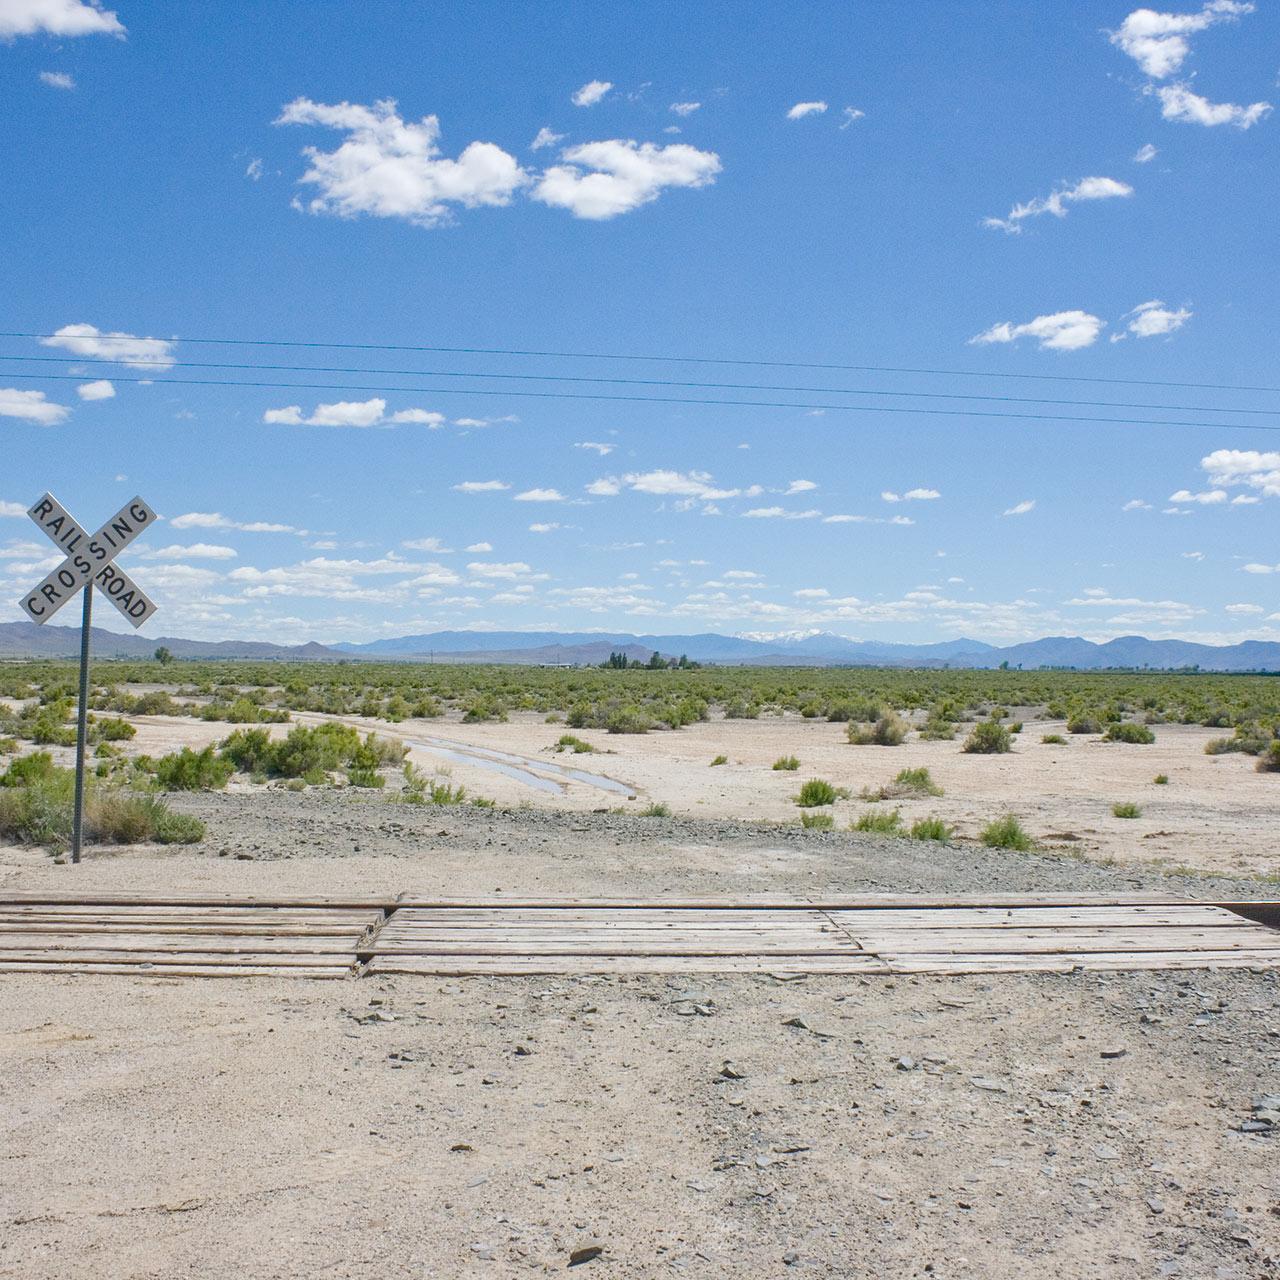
(38, 766)
(888, 731)
(816, 792)
(250, 750)
(719, 760)
(567, 742)
(188, 770)
(1269, 760)
(656, 810)
(786, 764)
(988, 737)
(930, 829)
(882, 822)
(817, 821)
(628, 719)
(8, 746)
(112, 729)
(1083, 724)
(1126, 809)
(1006, 833)
(1161, 779)
(917, 782)
(1054, 740)
(1129, 732)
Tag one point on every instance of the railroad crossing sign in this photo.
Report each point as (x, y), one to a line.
(89, 564)
(89, 560)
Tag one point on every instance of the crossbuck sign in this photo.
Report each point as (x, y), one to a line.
(89, 559)
(90, 563)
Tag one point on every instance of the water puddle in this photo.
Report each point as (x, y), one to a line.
(520, 768)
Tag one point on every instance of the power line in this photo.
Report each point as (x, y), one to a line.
(761, 404)
(714, 360)
(163, 365)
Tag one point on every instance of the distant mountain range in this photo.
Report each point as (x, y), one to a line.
(25, 639)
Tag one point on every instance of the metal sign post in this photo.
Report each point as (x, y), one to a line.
(88, 564)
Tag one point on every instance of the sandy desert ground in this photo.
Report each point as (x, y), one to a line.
(985, 1128)
(1215, 813)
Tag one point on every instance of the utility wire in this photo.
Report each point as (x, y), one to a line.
(599, 395)
(163, 365)
(754, 363)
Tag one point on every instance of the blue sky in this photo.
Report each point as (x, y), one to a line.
(1074, 192)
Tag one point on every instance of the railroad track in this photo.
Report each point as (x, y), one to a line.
(212, 936)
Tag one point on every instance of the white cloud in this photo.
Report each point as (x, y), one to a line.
(1193, 555)
(1145, 154)
(12, 509)
(392, 168)
(352, 413)
(692, 484)
(800, 486)
(779, 513)
(1061, 331)
(1260, 568)
(100, 390)
(846, 519)
(510, 571)
(31, 406)
(1158, 43)
(1244, 608)
(1136, 504)
(591, 93)
(602, 449)
(1153, 319)
(624, 175)
(421, 417)
(216, 520)
(685, 108)
(254, 169)
(546, 527)
(484, 422)
(196, 551)
(1245, 500)
(124, 348)
(811, 593)
(802, 109)
(545, 138)
(481, 486)
(55, 79)
(57, 18)
(539, 495)
(605, 487)
(1209, 497)
(429, 544)
(1020, 508)
(1057, 201)
(1179, 104)
(1248, 467)
(850, 115)
(911, 495)
(479, 548)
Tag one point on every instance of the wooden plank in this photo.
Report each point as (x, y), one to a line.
(53, 943)
(78, 955)
(961, 941)
(176, 970)
(946, 963)
(452, 966)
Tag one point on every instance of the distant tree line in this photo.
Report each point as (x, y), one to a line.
(620, 662)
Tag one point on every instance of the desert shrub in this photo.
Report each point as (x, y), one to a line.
(930, 829)
(1161, 779)
(567, 742)
(50, 728)
(1125, 809)
(8, 746)
(1247, 739)
(38, 766)
(719, 760)
(40, 812)
(481, 709)
(909, 782)
(882, 822)
(1015, 726)
(250, 750)
(1269, 760)
(188, 770)
(419, 789)
(741, 709)
(862, 710)
(1054, 740)
(889, 730)
(362, 768)
(307, 751)
(786, 764)
(113, 729)
(1006, 833)
(988, 737)
(817, 821)
(1083, 724)
(656, 810)
(816, 792)
(1129, 732)
(628, 719)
